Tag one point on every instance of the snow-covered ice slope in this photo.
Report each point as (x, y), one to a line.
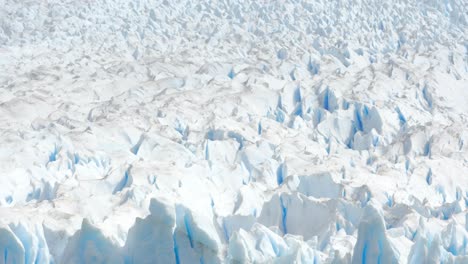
(233, 131)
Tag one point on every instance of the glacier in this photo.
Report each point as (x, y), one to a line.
(233, 131)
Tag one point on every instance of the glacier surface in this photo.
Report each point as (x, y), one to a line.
(233, 131)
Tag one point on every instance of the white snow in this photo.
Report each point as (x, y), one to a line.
(233, 131)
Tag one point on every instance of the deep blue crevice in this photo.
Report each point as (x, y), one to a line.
(53, 155)
(279, 104)
(401, 117)
(225, 231)
(318, 116)
(427, 148)
(126, 180)
(359, 124)
(345, 105)
(313, 68)
(364, 254)
(389, 201)
(280, 173)
(429, 177)
(176, 248)
(413, 235)
(458, 194)
(297, 95)
(231, 74)
(76, 158)
(284, 214)
(279, 116)
(326, 99)
(259, 130)
(188, 229)
(137, 146)
(453, 249)
(298, 111)
(444, 215)
(427, 96)
(291, 74)
(365, 110)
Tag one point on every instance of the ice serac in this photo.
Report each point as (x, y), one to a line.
(89, 245)
(12, 250)
(159, 237)
(261, 245)
(329, 100)
(196, 236)
(430, 247)
(151, 239)
(33, 241)
(372, 245)
(319, 185)
(282, 211)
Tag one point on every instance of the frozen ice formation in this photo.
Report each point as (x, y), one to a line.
(233, 131)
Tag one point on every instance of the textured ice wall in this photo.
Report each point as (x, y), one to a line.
(233, 131)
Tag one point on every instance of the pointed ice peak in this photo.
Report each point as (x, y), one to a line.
(372, 245)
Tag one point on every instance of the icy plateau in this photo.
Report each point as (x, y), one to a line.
(233, 131)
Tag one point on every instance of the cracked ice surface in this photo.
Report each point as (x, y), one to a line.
(233, 131)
